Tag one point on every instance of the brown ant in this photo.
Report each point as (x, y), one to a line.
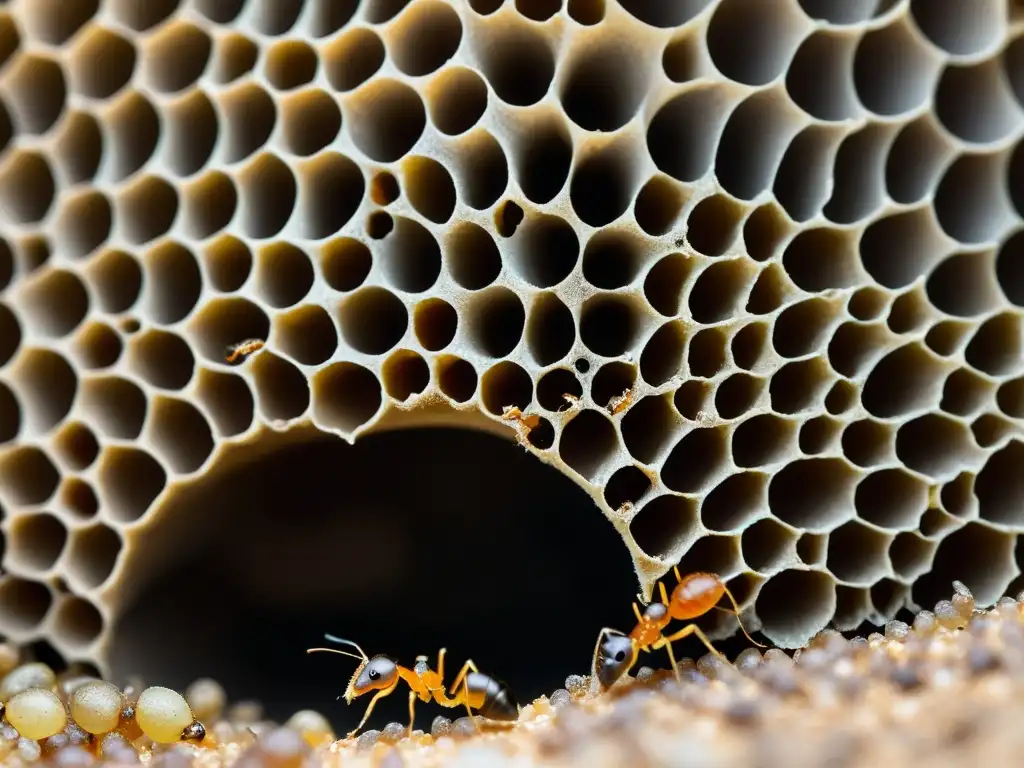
(695, 595)
(489, 697)
(620, 403)
(239, 352)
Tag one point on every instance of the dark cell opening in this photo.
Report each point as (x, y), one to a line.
(407, 542)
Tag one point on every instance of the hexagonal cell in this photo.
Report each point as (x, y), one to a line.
(626, 486)
(664, 526)
(161, 358)
(911, 556)
(768, 545)
(516, 59)
(77, 499)
(665, 283)
(494, 320)
(604, 182)
(858, 554)
(812, 548)
(75, 446)
(115, 278)
(735, 502)
(98, 346)
(588, 441)
(456, 378)
(129, 480)
(763, 440)
(554, 385)
(385, 119)
(93, 555)
(27, 476)
(795, 605)
(405, 374)
(282, 390)
(77, 622)
(45, 385)
(906, 380)
(649, 427)
(84, 222)
(891, 498)
(696, 461)
(352, 58)
(813, 494)
(980, 557)
(227, 401)
(23, 603)
(306, 334)
(935, 445)
(345, 396)
(506, 385)
(36, 541)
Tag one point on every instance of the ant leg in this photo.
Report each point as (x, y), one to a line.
(369, 709)
(672, 661)
(412, 711)
(639, 617)
(468, 667)
(440, 664)
(664, 594)
(736, 610)
(689, 629)
(675, 570)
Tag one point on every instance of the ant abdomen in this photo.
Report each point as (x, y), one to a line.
(491, 698)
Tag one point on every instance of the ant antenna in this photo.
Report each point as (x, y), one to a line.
(343, 641)
(332, 639)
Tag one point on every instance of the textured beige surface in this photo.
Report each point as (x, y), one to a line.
(770, 248)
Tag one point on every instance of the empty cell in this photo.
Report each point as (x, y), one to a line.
(685, 58)
(386, 118)
(435, 322)
(585, 12)
(858, 554)
(190, 131)
(282, 390)
(495, 321)
(587, 443)
(604, 80)
(249, 114)
(542, 435)
(543, 154)
(456, 100)
(405, 374)
(146, 209)
(345, 263)
(612, 258)
(767, 545)
(823, 258)
(664, 526)
(959, 28)
(1010, 398)
(813, 494)
(10, 415)
(227, 263)
(627, 486)
(893, 71)
(56, 22)
(855, 348)
(978, 556)
(554, 385)
(858, 180)
(550, 329)
(345, 397)
(306, 334)
(648, 428)
(820, 78)
(284, 274)
(36, 541)
(538, 10)
(429, 187)
(77, 145)
(482, 169)
(10, 334)
(326, 17)
(544, 250)
(734, 503)
(234, 56)
(27, 476)
(115, 406)
(611, 381)
(131, 129)
(817, 434)
(750, 348)
(764, 231)
(45, 385)
(800, 385)
(381, 11)
(173, 283)
(331, 189)
(1000, 486)
(27, 188)
(958, 496)
(77, 499)
(456, 378)
(906, 380)
(752, 41)
(507, 218)
(891, 498)
(175, 56)
(472, 256)
(706, 355)
(506, 385)
(52, 303)
(97, 346)
(100, 62)
(310, 121)
(696, 461)
(935, 445)
(965, 393)
(911, 556)
(812, 548)
(658, 205)
(35, 92)
(516, 59)
(23, 603)
(803, 328)
(208, 204)
(77, 621)
(1010, 269)
(868, 303)
(604, 183)
(666, 281)
(975, 102)
(224, 322)
(142, 16)
(276, 17)
(713, 224)
(867, 443)
(965, 284)
(84, 222)
(129, 480)
(424, 37)
(990, 430)
(662, 356)
(737, 394)
(610, 324)
(719, 290)
(379, 225)
(373, 320)
(684, 132)
(227, 401)
(161, 358)
(754, 141)
(916, 160)
(805, 176)
(352, 58)
(795, 605)
(384, 188)
(268, 191)
(971, 202)
(996, 347)
(910, 312)
(289, 64)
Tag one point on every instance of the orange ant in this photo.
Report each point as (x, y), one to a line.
(489, 697)
(242, 350)
(619, 403)
(695, 595)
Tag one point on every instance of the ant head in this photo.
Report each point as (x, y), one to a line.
(378, 673)
(614, 656)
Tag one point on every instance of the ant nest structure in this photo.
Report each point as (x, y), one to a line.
(751, 272)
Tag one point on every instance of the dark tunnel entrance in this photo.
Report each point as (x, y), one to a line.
(407, 542)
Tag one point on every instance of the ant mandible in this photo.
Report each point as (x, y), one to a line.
(695, 595)
(489, 697)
